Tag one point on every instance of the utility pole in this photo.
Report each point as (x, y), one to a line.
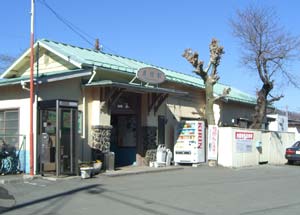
(31, 89)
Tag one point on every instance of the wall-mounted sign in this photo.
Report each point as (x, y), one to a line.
(68, 104)
(151, 75)
(244, 141)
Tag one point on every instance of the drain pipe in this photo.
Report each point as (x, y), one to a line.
(23, 84)
(93, 75)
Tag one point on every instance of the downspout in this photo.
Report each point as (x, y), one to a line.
(93, 75)
(23, 84)
(84, 98)
(83, 113)
(84, 138)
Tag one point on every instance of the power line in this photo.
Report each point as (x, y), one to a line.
(81, 33)
(71, 26)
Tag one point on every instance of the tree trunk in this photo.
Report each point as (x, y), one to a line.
(209, 111)
(261, 106)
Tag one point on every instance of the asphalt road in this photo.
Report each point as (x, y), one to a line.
(192, 191)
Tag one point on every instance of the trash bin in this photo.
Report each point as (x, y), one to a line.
(86, 172)
(109, 161)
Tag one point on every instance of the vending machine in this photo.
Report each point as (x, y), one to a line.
(190, 144)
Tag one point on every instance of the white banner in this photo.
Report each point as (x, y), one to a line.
(212, 149)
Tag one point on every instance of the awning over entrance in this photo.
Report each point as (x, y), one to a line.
(137, 88)
(159, 95)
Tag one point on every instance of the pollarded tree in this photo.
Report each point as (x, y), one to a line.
(266, 49)
(209, 79)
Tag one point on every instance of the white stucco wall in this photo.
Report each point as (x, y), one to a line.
(295, 131)
(225, 151)
(186, 107)
(247, 158)
(217, 112)
(279, 141)
(273, 145)
(229, 154)
(280, 122)
(95, 108)
(24, 118)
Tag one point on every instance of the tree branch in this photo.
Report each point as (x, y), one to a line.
(216, 52)
(211, 79)
(192, 57)
(260, 70)
(274, 99)
(225, 93)
(208, 67)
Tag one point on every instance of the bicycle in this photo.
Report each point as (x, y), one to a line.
(6, 162)
(9, 158)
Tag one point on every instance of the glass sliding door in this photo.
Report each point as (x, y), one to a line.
(68, 120)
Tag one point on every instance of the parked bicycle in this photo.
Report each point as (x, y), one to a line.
(9, 158)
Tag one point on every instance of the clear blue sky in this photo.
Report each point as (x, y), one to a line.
(155, 32)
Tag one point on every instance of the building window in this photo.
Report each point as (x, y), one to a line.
(80, 122)
(9, 126)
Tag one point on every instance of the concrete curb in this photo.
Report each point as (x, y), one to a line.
(59, 178)
(15, 179)
(133, 171)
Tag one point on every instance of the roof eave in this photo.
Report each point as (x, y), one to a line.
(19, 60)
(66, 58)
(48, 78)
(27, 52)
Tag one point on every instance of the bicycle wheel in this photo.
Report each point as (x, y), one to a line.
(1, 166)
(6, 165)
(16, 166)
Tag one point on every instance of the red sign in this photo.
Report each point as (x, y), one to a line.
(200, 137)
(151, 75)
(239, 135)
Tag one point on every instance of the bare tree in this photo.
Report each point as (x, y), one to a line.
(266, 49)
(5, 61)
(211, 79)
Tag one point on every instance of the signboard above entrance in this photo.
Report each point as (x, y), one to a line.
(151, 75)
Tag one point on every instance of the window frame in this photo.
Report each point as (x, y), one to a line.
(5, 128)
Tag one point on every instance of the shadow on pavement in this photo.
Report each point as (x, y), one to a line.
(70, 192)
(6, 200)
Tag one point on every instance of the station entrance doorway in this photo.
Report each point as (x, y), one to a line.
(126, 129)
(58, 139)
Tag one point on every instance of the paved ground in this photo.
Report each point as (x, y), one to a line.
(203, 190)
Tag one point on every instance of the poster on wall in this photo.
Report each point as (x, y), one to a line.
(212, 150)
(244, 141)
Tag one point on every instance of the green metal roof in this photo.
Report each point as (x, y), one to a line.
(83, 57)
(100, 59)
(45, 77)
